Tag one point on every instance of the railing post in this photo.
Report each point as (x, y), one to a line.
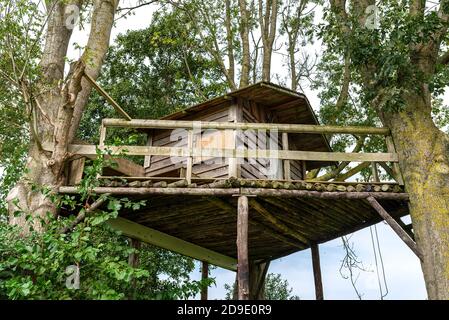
(286, 164)
(396, 169)
(189, 164)
(235, 116)
(101, 143)
(242, 249)
(102, 135)
(375, 172)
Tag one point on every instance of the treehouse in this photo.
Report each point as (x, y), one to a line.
(226, 182)
(262, 103)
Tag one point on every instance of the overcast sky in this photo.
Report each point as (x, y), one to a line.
(402, 269)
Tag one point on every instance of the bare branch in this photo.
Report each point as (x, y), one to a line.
(130, 9)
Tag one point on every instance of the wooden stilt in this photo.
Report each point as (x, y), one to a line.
(204, 276)
(242, 249)
(395, 226)
(317, 272)
(133, 261)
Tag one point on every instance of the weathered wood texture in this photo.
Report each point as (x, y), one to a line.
(90, 150)
(204, 276)
(281, 127)
(319, 294)
(206, 215)
(242, 248)
(105, 95)
(395, 226)
(160, 239)
(76, 171)
(163, 165)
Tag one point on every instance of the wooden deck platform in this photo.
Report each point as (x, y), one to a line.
(284, 217)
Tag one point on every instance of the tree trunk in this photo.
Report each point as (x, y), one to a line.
(244, 34)
(424, 160)
(60, 103)
(267, 22)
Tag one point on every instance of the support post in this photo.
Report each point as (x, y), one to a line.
(101, 142)
(317, 272)
(133, 261)
(204, 276)
(395, 226)
(242, 249)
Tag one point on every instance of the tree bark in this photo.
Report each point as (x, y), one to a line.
(61, 101)
(422, 148)
(424, 160)
(244, 34)
(268, 21)
(230, 41)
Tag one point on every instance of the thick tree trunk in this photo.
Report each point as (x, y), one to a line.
(424, 160)
(60, 104)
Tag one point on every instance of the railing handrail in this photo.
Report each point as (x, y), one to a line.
(88, 150)
(281, 127)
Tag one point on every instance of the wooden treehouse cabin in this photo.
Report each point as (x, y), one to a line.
(226, 182)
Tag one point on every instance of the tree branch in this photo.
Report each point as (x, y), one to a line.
(93, 56)
(83, 213)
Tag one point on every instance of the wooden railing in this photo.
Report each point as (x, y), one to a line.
(193, 127)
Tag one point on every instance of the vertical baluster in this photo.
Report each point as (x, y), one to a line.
(287, 171)
(189, 164)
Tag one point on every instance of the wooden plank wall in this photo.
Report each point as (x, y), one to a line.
(242, 110)
(163, 165)
(254, 113)
(250, 168)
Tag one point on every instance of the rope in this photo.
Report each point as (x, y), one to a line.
(382, 295)
(381, 263)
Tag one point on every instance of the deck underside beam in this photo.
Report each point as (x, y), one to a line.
(160, 239)
(240, 191)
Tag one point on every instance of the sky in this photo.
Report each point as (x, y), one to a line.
(402, 268)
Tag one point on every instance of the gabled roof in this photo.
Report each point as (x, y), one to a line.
(288, 106)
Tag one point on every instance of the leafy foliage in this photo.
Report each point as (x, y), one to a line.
(35, 266)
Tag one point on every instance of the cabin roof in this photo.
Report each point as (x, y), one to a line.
(289, 107)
